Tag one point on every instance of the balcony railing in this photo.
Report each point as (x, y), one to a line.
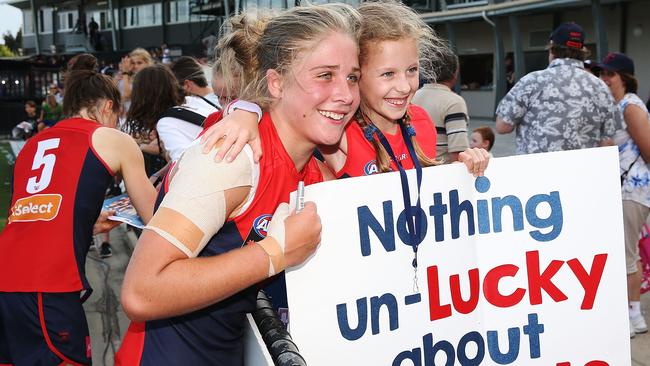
(455, 4)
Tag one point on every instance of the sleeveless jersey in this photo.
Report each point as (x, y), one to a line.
(59, 185)
(361, 159)
(213, 335)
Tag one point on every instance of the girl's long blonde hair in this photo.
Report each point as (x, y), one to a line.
(390, 20)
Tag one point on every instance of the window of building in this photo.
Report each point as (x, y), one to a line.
(45, 20)
(28, 25)
(102, 18)
(41, 23)
(141, 16)
(476, 71)
(67, 20)
(179, 11)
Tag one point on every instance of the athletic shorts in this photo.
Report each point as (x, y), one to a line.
(43, 329)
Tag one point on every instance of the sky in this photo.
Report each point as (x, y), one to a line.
(10, 20)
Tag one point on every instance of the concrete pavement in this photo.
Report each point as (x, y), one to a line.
(106, 319)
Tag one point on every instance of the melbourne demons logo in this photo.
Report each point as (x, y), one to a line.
(371, 168)
(261, 224)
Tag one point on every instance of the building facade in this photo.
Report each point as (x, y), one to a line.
(498, 41)
(62, 27)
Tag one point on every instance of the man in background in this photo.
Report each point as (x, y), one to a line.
(563, 107)
(447, 109)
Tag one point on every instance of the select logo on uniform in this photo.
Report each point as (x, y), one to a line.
(261, 224)
(371, 167)
(39, 207)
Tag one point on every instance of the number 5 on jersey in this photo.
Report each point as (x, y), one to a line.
(36, 184)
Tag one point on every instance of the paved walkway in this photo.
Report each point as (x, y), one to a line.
(106, 319)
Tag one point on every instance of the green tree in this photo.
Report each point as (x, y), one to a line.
(5, 51)
(13, 43)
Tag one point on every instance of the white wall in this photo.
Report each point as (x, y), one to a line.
(638, 47)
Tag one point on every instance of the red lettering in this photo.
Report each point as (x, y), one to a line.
(462, 306)
(538, 281)
(491, 286)
(589, 281)
(436, 311)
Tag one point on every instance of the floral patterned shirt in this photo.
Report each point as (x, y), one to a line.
(636, 186)
(562, 107)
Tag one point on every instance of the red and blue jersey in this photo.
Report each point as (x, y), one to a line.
(59, 185)
(361, 156)
(214, 335)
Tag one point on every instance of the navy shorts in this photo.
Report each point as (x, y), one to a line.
(43, 329)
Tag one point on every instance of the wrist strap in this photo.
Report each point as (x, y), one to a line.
(245, 106)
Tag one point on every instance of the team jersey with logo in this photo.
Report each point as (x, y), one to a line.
(213, 335)
(361, 159)
(58, 188)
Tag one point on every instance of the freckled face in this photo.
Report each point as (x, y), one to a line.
(321, 92)
(389, 79)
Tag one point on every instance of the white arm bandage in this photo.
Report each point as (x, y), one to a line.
(194, 207)
(275, 248)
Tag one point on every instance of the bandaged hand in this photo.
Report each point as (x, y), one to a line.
(291, 238)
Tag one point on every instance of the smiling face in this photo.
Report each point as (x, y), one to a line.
(319, 93)
(389, 79)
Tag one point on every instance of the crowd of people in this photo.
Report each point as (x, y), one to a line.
(568, 106)
(309, 94)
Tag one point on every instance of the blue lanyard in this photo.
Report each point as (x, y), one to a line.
(413, 220)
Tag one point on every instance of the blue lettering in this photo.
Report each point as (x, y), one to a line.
(455, 209)
(513, 346)
(438, 211)
(385, 234)
(487, 215)
(555, 219)
(376, 303)
(461, 352)
(420, 226)
(430, 351)
(534, 329)
(513, 202)
(344, 325)
(412, 355)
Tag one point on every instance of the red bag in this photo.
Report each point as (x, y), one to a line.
(644, 253)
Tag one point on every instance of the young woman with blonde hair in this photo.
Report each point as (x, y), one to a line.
(188, 285)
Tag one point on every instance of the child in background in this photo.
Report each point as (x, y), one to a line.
(482, 137)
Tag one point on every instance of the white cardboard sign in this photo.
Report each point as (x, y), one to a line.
(524, 267)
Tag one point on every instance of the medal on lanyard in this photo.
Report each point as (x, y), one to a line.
(414, 218)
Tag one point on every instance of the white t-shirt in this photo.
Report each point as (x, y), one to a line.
(176, 134)
(636, 186)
